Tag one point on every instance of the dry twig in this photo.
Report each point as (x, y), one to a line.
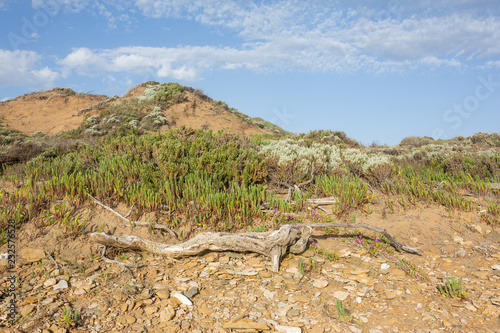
(135, 223)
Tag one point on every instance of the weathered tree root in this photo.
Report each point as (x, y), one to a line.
(273, 244)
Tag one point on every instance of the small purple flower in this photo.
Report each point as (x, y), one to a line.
(371, 245)
(287, 215)
(376, 240)
(359, 240)
(274, 210)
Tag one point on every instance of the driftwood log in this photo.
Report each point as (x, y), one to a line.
(274, 244)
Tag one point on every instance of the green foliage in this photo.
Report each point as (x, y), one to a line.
(452, 288)
(169, 92)
(342, 312)
(411, 269)
(213, 177)
(330, 137)
(350, 191)
(68, 318)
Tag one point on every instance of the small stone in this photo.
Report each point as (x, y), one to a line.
(460, 253)
(234, 255)
(50, 282)
(288, 329)
(496, 267)
(224, 260)
(32, 254)
(206, 310)
(163, 293)
(268, 294)
(27, 310)
(129, 319)
(354, 329)
(317, 329)
(447, 323)
(384, 267)
(493, 236)
(341, 295)
(84, 284)
(303, 299)
(246, 324)
(191, 292)
(265, 274)
(145, 294)
(182, 298)
(167, 314)
(389, 294)
(379, 287)
(149, 310)
(482, 275)
(293, 313)
(470, 307)
(79, 292)
(47, 301)
(185, 325)
(320, 283)
(61, 285)
(254, 262)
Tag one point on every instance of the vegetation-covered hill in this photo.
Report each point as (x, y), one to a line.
(229, 173)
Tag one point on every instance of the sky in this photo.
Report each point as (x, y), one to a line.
(378, 70)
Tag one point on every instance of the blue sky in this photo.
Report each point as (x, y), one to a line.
(377, 70)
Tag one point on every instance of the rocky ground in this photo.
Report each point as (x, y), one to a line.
(232, 292)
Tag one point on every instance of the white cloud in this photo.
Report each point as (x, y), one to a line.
(391, 35)
(493, 64)
(20, 68)
(4, 4)
(112, 11)
(296, 35)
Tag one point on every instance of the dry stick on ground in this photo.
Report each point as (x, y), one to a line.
(135, 223)
(273, 244)
(323, 201)
(114, 262)
(47, 253)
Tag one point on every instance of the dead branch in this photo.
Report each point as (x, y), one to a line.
(319, 207)
(47, 253)
(273, 244)
(323, 201)
(397, 245)
(135, 223)
(114, 262)
(293, 188)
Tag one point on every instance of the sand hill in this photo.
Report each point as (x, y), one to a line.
(62, 109)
